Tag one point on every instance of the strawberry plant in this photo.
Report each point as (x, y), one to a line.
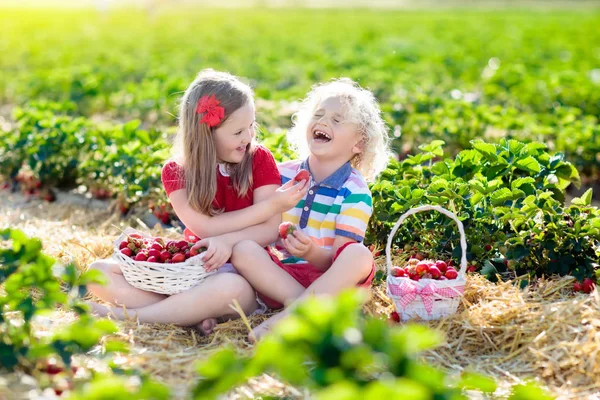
(496, 190)
(333, 351)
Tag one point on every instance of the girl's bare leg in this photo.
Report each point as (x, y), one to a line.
(118, 291)
(209, 300)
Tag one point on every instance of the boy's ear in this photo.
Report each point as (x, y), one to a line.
(359, 147)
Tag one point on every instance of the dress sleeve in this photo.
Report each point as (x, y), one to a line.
(264, 168)
(172, 177)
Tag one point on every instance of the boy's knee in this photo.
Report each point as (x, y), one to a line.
(361, 256)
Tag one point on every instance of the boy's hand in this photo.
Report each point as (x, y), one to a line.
(217, 253)
(288, 195)
(298, 243)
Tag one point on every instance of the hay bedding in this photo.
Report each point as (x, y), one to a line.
(543, 332)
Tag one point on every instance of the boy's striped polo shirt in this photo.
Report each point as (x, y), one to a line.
(339, 205)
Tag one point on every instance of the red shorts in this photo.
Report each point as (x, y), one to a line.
(305, 274)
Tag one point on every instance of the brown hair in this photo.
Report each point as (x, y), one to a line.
(194, 145)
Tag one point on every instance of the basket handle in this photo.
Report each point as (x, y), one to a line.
(412, 211)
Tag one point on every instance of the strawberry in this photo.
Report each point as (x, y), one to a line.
(126, 251)
(471, 268)
(182, 244)
(488, 247)
(435, 272)
(398, 272)
(164, 217)
(451, 273)
(588, 285)
(395, 317)
(52, 368)
(419, 256)
(422, 268)
(135, 235)
(160, 241)
(123, 244)
(141, 256)
(578, 287)
(442, 266)
(165, 255)
(414, 276)
(178, 257)
(193, 239)
(153, 259)
(302, 175)
(285, 229)
(172, 247)
(154, 253)
(194, 251)
(156, 246)
(413, 261)
(186, 254)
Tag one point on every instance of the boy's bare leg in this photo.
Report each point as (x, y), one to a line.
(352, 266)
(209, 300)
(255, 264)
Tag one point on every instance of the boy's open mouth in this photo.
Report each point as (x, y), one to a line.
(320, 136)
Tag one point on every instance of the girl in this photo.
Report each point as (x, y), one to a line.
(224, 188)
(345, 139)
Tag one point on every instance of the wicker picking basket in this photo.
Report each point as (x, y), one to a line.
(428, 299)
(157, 277)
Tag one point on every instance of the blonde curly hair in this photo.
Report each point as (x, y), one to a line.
(362, 109)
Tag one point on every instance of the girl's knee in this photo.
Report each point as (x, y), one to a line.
(235, 287)
(105, 266)
(242, 251)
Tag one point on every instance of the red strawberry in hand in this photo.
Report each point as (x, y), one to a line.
(302, 175)
(285, 229)
(194, 251)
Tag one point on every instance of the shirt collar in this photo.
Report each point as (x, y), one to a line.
(335, 180)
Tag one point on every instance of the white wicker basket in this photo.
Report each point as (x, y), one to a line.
(158, 277)
(427, 298)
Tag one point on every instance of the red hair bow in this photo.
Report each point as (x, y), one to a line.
(213, 112)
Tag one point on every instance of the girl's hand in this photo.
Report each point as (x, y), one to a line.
(288, 195)
(217, 253)
(297, 243)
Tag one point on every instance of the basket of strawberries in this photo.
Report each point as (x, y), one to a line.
(424, 288)
(158, 265)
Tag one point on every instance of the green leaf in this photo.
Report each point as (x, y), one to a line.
(528, 164)
(500, 196)
(473, 381)
(584, 200)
